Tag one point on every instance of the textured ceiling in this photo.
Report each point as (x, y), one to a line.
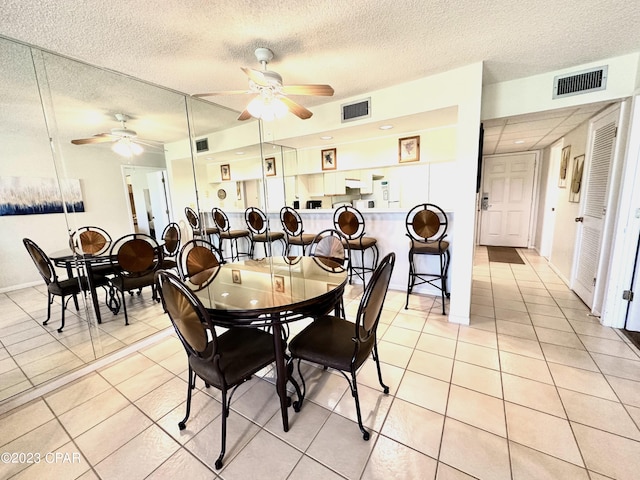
(356, 46)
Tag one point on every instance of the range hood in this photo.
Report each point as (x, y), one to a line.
(352, 183)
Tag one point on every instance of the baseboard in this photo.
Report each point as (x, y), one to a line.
(22, 285)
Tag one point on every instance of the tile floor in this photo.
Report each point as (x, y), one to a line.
(534, 388)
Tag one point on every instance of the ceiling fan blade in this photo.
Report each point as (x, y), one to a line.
(99, 138)
(321, 90)
(245, 115)
(223, 92)
(256, 75)
(296, 108)
(148, 143)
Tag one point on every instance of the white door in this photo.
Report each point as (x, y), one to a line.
(633, 314)
(588, 260)
(160, 201)
(506, 199)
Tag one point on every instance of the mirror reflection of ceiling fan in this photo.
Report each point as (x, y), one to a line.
(270, 98)
(125, 141)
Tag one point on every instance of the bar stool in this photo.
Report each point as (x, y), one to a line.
(293, 229)
(222, 223)
(259, 231)
(196, 225)
(426, 228)
(350, 222)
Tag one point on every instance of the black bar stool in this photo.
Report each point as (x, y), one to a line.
(293, 229)
(426, 228)
(197, 227)
(222, 223)
(259, 230)
(350, 222)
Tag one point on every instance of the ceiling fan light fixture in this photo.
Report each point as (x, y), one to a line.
(267, 109)
(126, 148)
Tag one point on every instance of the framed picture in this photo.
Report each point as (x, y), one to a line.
(278, 283)
(235, 276)
(329, 159)
(409, 149)
(270, 166)
(225, 172)
(576, 179)
(564, 164)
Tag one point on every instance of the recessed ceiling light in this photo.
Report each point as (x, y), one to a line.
(326, 137)
(519, 142)
(385, 127)
(240, 153)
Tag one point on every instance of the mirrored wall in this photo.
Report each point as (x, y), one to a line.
(140, 155)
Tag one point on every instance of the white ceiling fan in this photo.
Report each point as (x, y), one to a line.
(270, 98)
(125, 141)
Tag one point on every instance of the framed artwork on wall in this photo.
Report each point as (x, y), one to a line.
(225, 172)
(576, 179)
(278, 283)
(235, 276)
(409, 149)
(329, 159)
(564, 164)
(270, 167)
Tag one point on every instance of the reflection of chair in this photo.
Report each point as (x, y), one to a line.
(222, 223)
(427, 227)
(223, 361)
(258, 225)
(332, 246)
(338, 343)
(92, 241)
(198, 230)
(292, 225)
(197, 256)
(62, 288)
(171, 246)
(137, 256)
(350, 222)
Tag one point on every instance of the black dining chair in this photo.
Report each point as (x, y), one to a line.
(427, 228)
(94, 241)
(335, 342)
(294, 230)
(224, 231)
(136, 257)
(223, 361)
(171, 245)
(68, 288)
(351, 224)
(198, 230)
(259, 231)
(197, 256)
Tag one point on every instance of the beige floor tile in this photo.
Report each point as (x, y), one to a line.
(64, 463)
(538, 299)
(394, 354)
(591, 383)
(441, 329)
(515, 329)
(128, 462)
(481, 411)
(391, 375)
(480, 379)
(532, 394)
(259, 403)
(445, 472)
(204, 410)
(410, 322)
(303, 425)
(616, 348)
(554, 323)
(182, 465)
(432, 365)
(628, 391)
(620, 459)
(69, 396)
(157, 403)
(542, 432)
(474, 451)
(482, 310)
(413, 389)
(264, 454)
(513, 316)
(481, 356)
(533, 465)
(415, 427)
(139, 385)
(90, 413)
(339, 445)
(557, 337)
(619, 367)
(389, 457)
(568, 356)
(482, 323)
(436, 344)
(323, 387)
(599, 413)
(593, 329)
(126, 368)
(549, 310)
(308, 468)
(527, 367)
(478, 337)
(374, 406)
(521, 346)
(401, 336)
(19, 422)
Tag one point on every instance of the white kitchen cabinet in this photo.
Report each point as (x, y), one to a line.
(334, 183)
(366, 182)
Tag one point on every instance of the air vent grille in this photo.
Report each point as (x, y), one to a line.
(202, 145)
(356, 110)
(582, 82)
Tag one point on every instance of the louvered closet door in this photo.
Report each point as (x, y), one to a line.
(602, 143)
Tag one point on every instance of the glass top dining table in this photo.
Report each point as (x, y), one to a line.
(271, 292)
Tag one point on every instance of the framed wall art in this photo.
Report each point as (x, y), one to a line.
(225, 172)
(34, 196)
(270, 167)
(564, 164)
(576, 179)
(235, 276)
(278, 283)
(409, 149)
(329, 159)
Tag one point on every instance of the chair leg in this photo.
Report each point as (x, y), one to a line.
(223, 441)
(190, 384)
(64, 307)
(354, 393)
(124, 309)
(297, 405)
(377, 359)
(410, 279)
(49, 302)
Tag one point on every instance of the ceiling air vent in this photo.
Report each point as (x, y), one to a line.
(202, 145)
(586, 81)
(356, 110)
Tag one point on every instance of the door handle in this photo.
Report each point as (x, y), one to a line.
(579, 219)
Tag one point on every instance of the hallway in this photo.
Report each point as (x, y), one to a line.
(534, 388)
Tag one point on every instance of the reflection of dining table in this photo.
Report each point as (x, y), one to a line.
(271, 292)
(87, 262)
